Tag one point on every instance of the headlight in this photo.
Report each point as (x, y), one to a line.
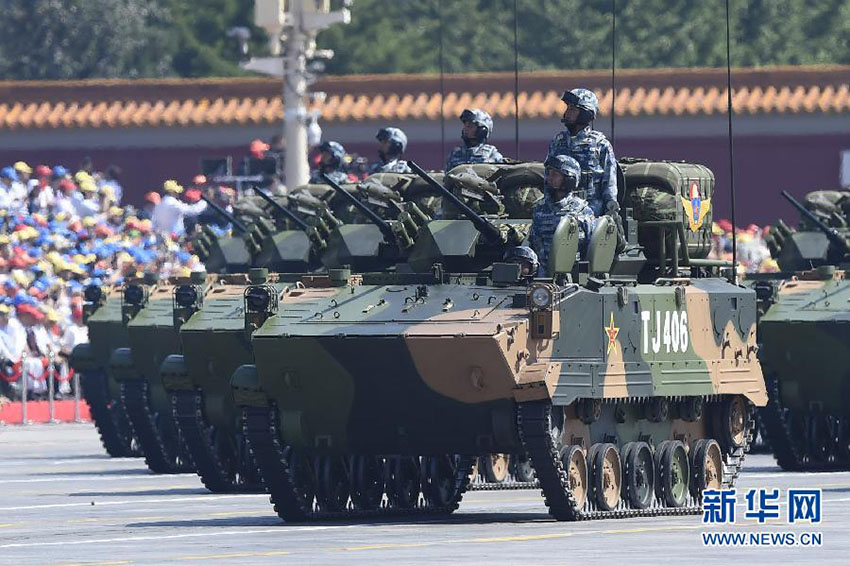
(541, 297)
(186, 295)
(257, 299)
(134, 295)
(93, 294)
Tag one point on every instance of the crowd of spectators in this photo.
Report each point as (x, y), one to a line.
(753, 254)
(61, 231)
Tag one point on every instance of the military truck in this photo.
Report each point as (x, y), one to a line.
(803, 334)
(629, 380)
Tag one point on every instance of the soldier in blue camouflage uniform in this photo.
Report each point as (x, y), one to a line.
(477, 127)
(590, 148)
(393, 144)
(333, 158)
(526, 258)
(560, 199)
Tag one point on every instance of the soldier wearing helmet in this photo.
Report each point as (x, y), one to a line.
(590, 148)
(331, 164)
(526, 258)
(392, 143)
(561, 198)
(477, 127)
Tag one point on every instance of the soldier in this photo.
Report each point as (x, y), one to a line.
(590, 148)
(331, 164)
(392, 145)
(560, 198)
(477, 127)
(526, 258)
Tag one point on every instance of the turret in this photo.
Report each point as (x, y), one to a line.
(805, 249)
(464, 245)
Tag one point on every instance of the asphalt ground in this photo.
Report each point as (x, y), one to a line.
(63, 501)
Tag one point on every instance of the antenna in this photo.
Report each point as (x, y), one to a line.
(442, 85)
(516, 80)
(730, 111)
(613, 67)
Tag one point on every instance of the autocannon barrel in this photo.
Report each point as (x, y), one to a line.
(832, 234)
(382, 224)
(232, 219)
(282, 209)
(490, 232)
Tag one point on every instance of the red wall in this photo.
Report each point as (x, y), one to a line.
(764, 165)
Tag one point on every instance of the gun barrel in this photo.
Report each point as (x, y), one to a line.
(490, 232)
(232, 219)
(282, 209)
(382, 224)
(831, 233)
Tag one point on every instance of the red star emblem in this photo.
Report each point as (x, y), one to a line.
(611, 331)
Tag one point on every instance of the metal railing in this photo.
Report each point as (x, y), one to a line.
(61, 369)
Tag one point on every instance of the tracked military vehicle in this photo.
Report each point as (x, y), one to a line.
(155, 324)
(629, 381)
(804, 332)
(106, 331)
(215, 339)
(149, 315)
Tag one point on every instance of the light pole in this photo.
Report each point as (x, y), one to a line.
(292, 26)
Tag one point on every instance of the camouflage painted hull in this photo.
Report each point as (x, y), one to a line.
(804, 336)
(214, 344)
(99, 387)
(429, 381)
(382, 372)
(152, 337)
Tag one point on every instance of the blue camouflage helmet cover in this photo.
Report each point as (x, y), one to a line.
(480, 118)
(396, 136)
(565, 164)
(584, 99)
(335, 149)
(523, 253)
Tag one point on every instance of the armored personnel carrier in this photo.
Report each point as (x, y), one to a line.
(215, 337)
(106, 320)
(106, 330)
(149, 314)
(629, 381)
(804, 332)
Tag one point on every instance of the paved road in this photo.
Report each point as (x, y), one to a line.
(65, 502)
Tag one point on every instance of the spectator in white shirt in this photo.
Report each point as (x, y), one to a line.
(168, 215)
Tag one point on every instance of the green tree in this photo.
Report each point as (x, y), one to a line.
(66, 39)
(198, 34)
(81, 39)
(576, 34)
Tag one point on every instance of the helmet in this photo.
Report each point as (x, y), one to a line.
(398, 140)
(9, 173)
(523, 253)
(585, 100)
(43, 171)
(336, 150)
(565, 164)
(480, 119)
(59, 172)
(22, 167)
